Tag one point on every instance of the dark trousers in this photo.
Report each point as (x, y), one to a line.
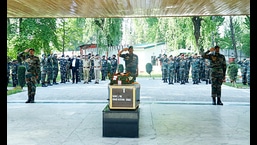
(74, 75)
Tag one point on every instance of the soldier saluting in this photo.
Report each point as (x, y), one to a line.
(32, 65)
(218, 72)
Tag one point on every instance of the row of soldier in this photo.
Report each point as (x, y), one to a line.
(51, 65)
(176, 69)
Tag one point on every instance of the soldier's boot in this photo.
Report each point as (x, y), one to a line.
(209, 81)
(213, 100)
(32, 99)
(54, 82)
(29, 99)
(49, 84)
(43, 85)
(219, 101)
(206, 82)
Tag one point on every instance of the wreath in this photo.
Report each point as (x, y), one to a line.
(123, 78)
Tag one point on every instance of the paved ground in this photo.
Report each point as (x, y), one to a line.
(71, 114)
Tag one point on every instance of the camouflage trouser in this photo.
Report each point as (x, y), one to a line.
(55, 73)
(207, 74)
(216, 79)
(171, 75)
(164, 74)
(195, 74)
(31, 83)
(182, 74)
(63, 74)
(49, 75)
(43, 76)
(14, 80)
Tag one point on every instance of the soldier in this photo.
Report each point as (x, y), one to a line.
(43, 64)
(32, 64)
(55, 68)
(114, 64)
(80, 71)
(207, 71)
(248, 73)
(8, 71)
(195, 63)
(86, 68)
(187, 69)
(218, 72)
(131, 61)
(164, 61)
(91, 71)
(49, 70)
(104, 68)
(243, 71)
(68, 69)
(182, 68)
(63, 63)
(171, 69)
(176, 76)
(97, 67)
(15, 73)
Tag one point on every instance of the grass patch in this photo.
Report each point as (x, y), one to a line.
(14, 90)
(238, 85)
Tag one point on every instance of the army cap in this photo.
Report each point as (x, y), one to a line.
(32, 49)
(130, 47)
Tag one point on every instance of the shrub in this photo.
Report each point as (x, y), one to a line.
(149, 68)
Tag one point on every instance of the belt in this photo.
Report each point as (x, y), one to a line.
(86, 67)
(96, 66)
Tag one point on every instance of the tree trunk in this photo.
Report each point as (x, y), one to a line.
(197, 26)
(233, 37)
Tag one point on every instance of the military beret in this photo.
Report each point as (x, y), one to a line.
(32, 49)
(96, 55)
(130, 47)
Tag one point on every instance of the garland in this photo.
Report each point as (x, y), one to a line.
(124, 78)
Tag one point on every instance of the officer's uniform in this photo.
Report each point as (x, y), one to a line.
(32, 65)
(86, 68)
(97, 68)
(218, 73)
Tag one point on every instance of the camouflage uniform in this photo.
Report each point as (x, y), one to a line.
(131, 63)
(248, 74)
(15, 73)
(164, 64)
(218, 73)
(187, 69)
(207, 71)
(244, 71)
(80, 71)
(68, 69)
(104, 68)
(55, 68)
(182, 68)
(49, 70)
(195, 62)
(43, 64)
(8, 72)
(171, 70)
(32, 65)
(63, 62)
(114, 64)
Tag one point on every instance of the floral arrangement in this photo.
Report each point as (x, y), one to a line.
(120, 78)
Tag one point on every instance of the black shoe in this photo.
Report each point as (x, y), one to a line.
(219, 102)
(213, 101)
